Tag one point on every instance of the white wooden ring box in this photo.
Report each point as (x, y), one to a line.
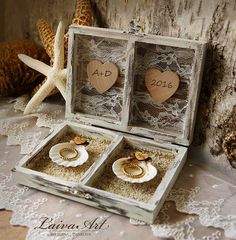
(125, 118)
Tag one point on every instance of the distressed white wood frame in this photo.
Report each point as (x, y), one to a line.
(83, 193)
(123, 125)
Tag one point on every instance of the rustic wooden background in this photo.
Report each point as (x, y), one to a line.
(211, 20)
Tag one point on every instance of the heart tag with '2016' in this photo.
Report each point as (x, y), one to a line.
(102, 75)
(161, 85)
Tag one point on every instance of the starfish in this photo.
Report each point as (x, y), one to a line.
(82, 16)
(56, 75)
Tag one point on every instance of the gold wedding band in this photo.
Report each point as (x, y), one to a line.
(126, 169)
(71, 150)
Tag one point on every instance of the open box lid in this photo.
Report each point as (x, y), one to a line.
(128, 106)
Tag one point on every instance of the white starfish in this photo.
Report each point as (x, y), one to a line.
(56, 75)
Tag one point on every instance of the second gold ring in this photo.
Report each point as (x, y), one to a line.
(133, 170)
(69, 154)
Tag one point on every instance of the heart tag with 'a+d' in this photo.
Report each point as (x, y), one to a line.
(102, 75)
(161, 85)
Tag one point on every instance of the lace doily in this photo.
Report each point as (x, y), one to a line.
(17, 127)
(200, 206)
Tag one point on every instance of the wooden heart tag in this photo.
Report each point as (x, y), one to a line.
(102, 75)
(161, 85)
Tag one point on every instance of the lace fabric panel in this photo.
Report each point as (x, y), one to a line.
(146, 112)
(86, 99)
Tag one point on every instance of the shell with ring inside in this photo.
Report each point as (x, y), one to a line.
(68, 154)
(133, 171)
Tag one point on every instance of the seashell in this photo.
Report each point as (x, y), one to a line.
(141, 155)
(56, 75)
(47, 36)
(79, 140)
(15, 77)
(56, 155)
(149, 171)
(83, 13)
(82, 16)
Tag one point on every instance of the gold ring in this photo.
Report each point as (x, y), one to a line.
(126, 169)
(70, 150)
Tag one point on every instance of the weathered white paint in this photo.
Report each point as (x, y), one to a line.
(123, 125)
(82, 192)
